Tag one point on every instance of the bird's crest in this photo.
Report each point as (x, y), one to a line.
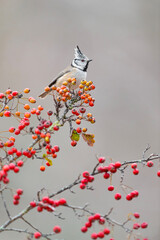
(78, 54)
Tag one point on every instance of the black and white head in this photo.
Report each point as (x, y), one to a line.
(80, 61)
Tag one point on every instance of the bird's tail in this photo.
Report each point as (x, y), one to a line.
(44, 94)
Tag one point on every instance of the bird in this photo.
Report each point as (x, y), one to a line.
(77, 70)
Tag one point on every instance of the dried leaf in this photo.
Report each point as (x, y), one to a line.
(89, 138)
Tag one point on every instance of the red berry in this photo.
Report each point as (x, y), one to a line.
(101, 159)
(16, 169)
(33, 204)
(56, 148)
(94, 236)
(82, 186)
(84, 229)
(91, 103)
(129, 197)
(5, 180)
(17, 132)
(135, 171)
(57, 229)
(158, 173)
(14, 93)
(79, 130)
(7, 113)
(11, 129)
(73, 143)
(45, 199)
(111, 188)
(88, 224)
(136, 215)
(82, 110)
(20, 163)
(100, 234)
(91, 219)
(90, 179)
(15, 202)
(86, 174)
(56, 128)
(37, 235)
(16, 197)
(101, 220)
(42, 168)
(117, 196)
(135, 193)
(144, 225)
(117, 164)
(62, 201)
(134, 165)
(149, 163)
(14, 150)
(84, 181)
(37, 131)
(74, 111)
(19, 191)
(39, 208)
(106, 175)
(106, 231)
(18, 153)
(49, 113)
(6, 168)
(11, 166)
(2, 95)
(97, 216)
(136, 225)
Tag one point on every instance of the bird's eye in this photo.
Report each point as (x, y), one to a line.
(82, 60)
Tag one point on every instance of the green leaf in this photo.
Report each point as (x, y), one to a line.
(75, 136)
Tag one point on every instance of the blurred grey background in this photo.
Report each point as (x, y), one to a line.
(37, 40)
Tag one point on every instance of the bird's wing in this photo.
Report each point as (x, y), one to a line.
(66, 70)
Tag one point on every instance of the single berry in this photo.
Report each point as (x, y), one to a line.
(136, 215)
(20, 163)
(144, 225)
(33, 204)
(42, 168)
(94, 236)
(19, 191)
(101, 159)
(73, 143)
(149, 163)
(129, 197)
(86, 174)
(106, 231)
(117, 164)
(111, 188)
(82, 186)
(117, 196)
(134, 165)
(158, 173)
(97, 216)
(84, 229)
(100, 234)
(57, 229)
(106, 175)
(16, 197)
(37, 235)
(135, 171)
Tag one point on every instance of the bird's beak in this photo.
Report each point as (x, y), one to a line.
(90, 60)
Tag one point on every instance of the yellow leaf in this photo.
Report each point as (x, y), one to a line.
(89, 138)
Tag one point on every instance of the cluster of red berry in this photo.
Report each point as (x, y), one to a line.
(48, 204)
(95, 218)
(16, 196)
